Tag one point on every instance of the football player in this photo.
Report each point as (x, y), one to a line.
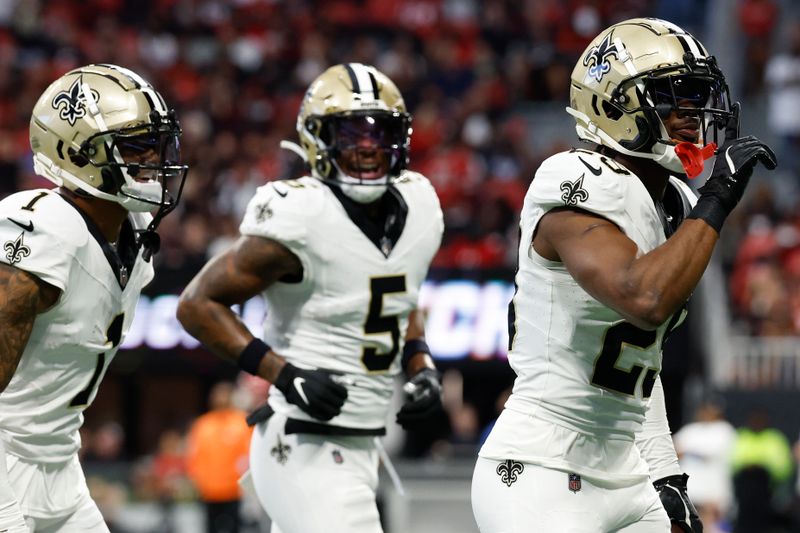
(339, 256)
(612, 246)
(75, 260)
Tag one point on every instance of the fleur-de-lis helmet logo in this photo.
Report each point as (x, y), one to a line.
(599, 58)
(72, 102)
(573, 191)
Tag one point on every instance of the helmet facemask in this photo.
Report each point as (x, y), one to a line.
(696, 93)
(139, 162)
(361, 152)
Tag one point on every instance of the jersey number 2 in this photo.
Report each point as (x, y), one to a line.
(606, 373)
(377, 322)
(113, 335)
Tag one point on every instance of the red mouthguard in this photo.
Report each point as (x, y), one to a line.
(693, 157)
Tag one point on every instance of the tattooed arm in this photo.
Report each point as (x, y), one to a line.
(249, 267)
(22, 297)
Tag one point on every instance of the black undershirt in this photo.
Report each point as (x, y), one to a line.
(382, 222)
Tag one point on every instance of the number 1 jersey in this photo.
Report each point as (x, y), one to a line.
(349, 313)
(72, 343)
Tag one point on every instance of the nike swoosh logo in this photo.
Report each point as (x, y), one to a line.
(26, 227)
(298, 386)
(596, 171)
(281, 193)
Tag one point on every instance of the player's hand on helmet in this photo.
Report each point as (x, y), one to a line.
(681, 510)
(734, 164)
(313, 391)
(423, 398)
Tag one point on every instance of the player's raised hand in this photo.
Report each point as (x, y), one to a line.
(313, 391)
(734, 164)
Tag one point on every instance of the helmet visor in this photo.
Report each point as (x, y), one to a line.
(150, 155)
(366, 146)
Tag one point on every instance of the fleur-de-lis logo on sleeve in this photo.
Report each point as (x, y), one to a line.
(573, 192)
(599, 58)
(281, 452)
(509, 471)
(16, 249)
(72, 103)
(264, 211)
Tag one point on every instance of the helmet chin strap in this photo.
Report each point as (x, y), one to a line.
(140, 197)
(667, 158)
(356, 189)
(360, 192)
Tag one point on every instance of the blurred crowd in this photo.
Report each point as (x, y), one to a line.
(236, 71)
(473, 73)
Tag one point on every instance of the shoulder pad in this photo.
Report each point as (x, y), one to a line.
(417, 184)
(417, 189)
(582, 179)
(42, 234)
(280, 210)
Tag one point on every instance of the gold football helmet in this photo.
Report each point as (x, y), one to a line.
(354, 130)
(637, 73)
(103, 131)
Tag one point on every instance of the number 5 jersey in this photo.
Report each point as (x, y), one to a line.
(349, 312)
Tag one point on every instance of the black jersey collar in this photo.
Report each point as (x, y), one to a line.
(122, 259)
(385, 230)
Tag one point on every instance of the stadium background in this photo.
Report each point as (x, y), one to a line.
(486, 82)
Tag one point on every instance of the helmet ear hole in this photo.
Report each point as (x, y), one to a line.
(77, 159)
(594, 105)
(612, 112)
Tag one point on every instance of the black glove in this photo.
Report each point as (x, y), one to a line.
(733, 167)
(681, 511)
(424, 398)
(313, 391)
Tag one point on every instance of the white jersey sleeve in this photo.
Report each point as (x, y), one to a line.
(584, 180)
(275, 213)
(36, 242)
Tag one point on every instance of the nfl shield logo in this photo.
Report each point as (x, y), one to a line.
(337, 457)
(574, 482)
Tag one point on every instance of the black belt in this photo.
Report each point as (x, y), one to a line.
(294, 425)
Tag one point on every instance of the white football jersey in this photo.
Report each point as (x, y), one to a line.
(349, 314)
(580, 366)
(71, 344)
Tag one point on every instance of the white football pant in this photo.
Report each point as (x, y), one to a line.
(315, 483)
(54, 498)
(525, 498)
